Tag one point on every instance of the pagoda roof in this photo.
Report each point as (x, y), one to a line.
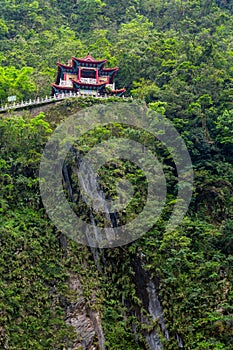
(86, 84)
(64, 65)
(75, 65)
(89, 59)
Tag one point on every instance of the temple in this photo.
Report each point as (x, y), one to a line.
(86, 75)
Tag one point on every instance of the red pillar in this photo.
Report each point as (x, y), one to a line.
(79, 73)
(97, 75)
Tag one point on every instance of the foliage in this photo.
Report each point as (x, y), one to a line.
(16, 82)
(31, 258)
(177, 56)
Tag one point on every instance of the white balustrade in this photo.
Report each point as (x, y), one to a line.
(47, 99)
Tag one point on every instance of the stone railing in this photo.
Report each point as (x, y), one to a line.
(46, 100)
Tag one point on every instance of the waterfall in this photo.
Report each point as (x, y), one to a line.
(147, 293)
(180, 342)
(94, 197)
(145, 285)
(155, 308)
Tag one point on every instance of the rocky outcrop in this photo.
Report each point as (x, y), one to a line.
(86, 322)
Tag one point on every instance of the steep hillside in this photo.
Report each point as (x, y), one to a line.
(184, 278)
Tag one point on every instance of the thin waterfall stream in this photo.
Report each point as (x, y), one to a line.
(144, 283)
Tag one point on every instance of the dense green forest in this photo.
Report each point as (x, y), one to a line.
(177, 57)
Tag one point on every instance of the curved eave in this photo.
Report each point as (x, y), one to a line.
(118, 92)
(86, 60)
(64, 65)
(59, 71)
(62, 87)
(111, 73)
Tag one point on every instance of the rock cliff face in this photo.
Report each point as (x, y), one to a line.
(86, 322)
